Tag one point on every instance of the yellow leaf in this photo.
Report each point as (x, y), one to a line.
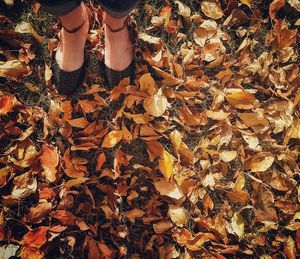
(176, 139)
(183, 9)
(112, 138)
(228, 156)
(261, 162)
(237, 225)
(156, 104)
(166, 14)
(166, 164)
(178, 215)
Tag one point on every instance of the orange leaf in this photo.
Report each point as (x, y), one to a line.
(36, 237)
(79, 123)
(64, 217)
(112, 139)
(238, 196)
(133, 214)
(100, 161)
(38, 213)
(166, 13)
(49, 161)
(155, 149)
(242, 100)
(6, 104)
(31, 253)
(190, 117)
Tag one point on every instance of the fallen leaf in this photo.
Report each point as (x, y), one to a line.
(13, 69)
(261, 162)
(112, 139)
(38, 213)
(212, 9)
(178, 215)
(49, 161)
(242, 100)
(169, 189)
(165, 164)
(133, 214)
(238, 196)
(162, 226)
(64, 217)
(36, 237)
(183, 9)
(156, 104)
(228, 156)
(6, 103)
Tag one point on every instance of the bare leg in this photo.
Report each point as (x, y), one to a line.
(70, 54)
(118, 45)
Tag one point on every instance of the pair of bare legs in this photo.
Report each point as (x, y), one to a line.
(70, 54)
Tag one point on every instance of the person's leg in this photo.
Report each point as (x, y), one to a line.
(118, 45)
(73, 15)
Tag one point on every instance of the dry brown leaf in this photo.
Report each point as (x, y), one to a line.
(237, 225)
(238, 196)
(242, 100)
(79, 123)
(178, 215)
(169, 189)
(25, 27)
(228, 156)
(261, 162)
(36, 237)
(64, 217)
(38, 213)
(13, 69)
(147, 84)
(133, 214)
(162, 226)
(274, 7)
(212, 9)
(192, 117)
(183, 9)
(100, 161)
(49, 161)
(154, 149)
(156, 104)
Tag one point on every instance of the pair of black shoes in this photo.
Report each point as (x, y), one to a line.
(68, 82)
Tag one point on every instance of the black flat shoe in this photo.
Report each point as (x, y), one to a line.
(67, 82)
(113, 77)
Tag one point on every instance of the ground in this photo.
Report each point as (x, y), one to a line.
(197, 158)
